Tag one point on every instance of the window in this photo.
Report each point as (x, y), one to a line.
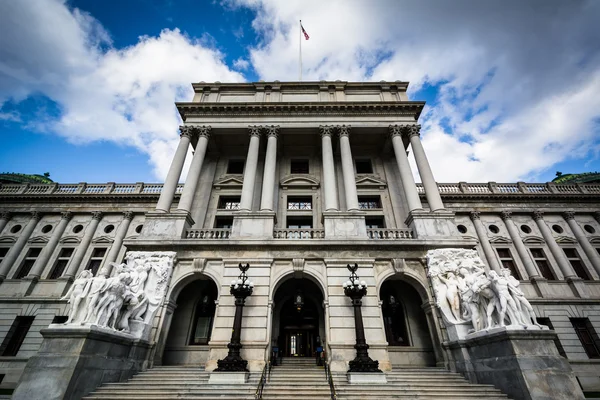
(223, 222)
(203, 320)
(462, 229)
(61, 263)
(235, 167)
(546, 321)
(299, 203)
(369, 202)
(3, 252)
(229, 203)
(96, 259)
(494, 228)
(587, 336)
(375, 222)
(364, 167)
(299, 166)
(299, 222)
(542, 262)
(577, 264)
(30, 257)
(60, 319)
(15, 336)
(508, 262)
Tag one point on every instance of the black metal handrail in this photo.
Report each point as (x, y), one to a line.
(263, 380)
(330, 380)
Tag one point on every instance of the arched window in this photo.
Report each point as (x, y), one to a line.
(203, 318)
(394, 319)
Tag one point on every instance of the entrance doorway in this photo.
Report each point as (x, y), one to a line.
(298, 319)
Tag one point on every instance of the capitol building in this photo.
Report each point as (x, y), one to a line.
(300, 259)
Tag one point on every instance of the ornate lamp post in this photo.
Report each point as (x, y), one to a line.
(240, 288)
(356, 290)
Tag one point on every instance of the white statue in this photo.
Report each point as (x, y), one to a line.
(452, 295)
(78, 292)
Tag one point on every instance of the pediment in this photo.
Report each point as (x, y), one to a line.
(595, 239)
(566, 240)
(500, 240)
(103, 239)
(370, 182)
(299, 182)
(38, 239)
(229, 182)
(70, 239)
(534, 240)
(7, 239)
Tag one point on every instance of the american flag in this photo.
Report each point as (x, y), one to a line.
(304, 32)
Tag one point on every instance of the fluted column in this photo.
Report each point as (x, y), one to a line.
(348, 169)
(406, 176)
(490, 255)
(83, 246)
(266, 199)
(329, 182)
(111, 257)
(250, 169)
(590, 252)
(429, 184)
(168, 191)
(42, 260)
(17, 248)
(189, 189)
(530, 267)
(4, 218)
(557, 252)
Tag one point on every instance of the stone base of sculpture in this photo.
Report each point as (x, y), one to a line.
(524, 364)
(362, 378)
(73, 361)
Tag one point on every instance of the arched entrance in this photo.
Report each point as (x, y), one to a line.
(298, 319)
(406, 328)
(191, 324)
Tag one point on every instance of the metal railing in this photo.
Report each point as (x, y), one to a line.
(263, 379)
(330, 381)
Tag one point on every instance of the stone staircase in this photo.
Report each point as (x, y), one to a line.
(174, 382)
(297, 378)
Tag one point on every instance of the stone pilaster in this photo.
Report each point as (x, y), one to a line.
(83, 246)
(488, 251)
(590, 251)
(189, 189)
(406, 177)
(19, 245)
(117, 244)
(168, 191)
(42, 260)
(530, 267)
(329, 181)
(268, 186)
(348, 168)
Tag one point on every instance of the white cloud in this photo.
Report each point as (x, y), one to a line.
(241, 64)
(123, 95)
(518, 81)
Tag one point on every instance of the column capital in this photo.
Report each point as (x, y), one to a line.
(186, 131)
(254, 130)
(36, 215)
(128, 215)
(326, 130)
(597, 216)
(203, 130)
(272, 130)
(344, 130)
(505, 215)
(97, 215)
(474, 215)
(5, 215)
(538, 215)
(395, 130)
(66, 215)
(412, 130)
(567, 215)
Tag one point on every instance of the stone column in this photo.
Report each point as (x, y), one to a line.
(530, 267)
(348, 169)
(17, 248)
(329, 182)
(83, 246)
(490, 255)
(266, 199)
(117, 244)
(250, 169)
(189, 189)
(168, 191)
(42, 260)
(557, 252)
(429, 184)
(4, 218)
(591, 253)
(406, 176)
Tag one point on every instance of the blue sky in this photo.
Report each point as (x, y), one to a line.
(87, 87)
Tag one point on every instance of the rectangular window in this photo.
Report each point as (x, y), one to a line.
(229, 202)
(299, 222)
(587, 336)
(235, 167)
(60, 319)
(299, 167)
(369, 202)
(546, 321)
(15, 336)
(61, 263)
(299, 203)
(508, 262)
(363, 166)
(576, 263)
(375, 222)
(27, 263)
(542, 262)
(3, 252)
(96, 259)
(223, 222)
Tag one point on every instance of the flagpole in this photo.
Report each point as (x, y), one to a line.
(300, 47)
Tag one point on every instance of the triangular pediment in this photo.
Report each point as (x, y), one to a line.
(103, 239)
(500, 240)
(370, 182)
(299, 182)
(566, 239)
(38, 239)
(229, 182)
(70, 239)
(7, 239)
(534, 240)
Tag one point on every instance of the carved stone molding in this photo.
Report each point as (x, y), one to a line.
(203, 130)
(186, 131)
(474, 215)
(395, 130)
(5, 215)
(505, 215)
(413, 130)
(67, 215)
(199, 264)
(272, 130)
(97, 215)
(567, 215)
(538, 215)
(399, 265)
(36, 215)
(326, 130)
(344, 130)
(128, 215)
(254, 130)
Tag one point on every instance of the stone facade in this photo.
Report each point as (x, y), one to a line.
(299, 180)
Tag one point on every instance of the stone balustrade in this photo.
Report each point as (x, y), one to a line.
(518, 188)
(110, 188)
(303, 233)
(214, 233)
(389, 233)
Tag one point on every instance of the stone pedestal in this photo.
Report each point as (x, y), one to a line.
(253, 225)
(72, 362)
(228, 378)
(438, 224)
(159, 225)
(344, 225)
(524, 364)
(361, 378)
